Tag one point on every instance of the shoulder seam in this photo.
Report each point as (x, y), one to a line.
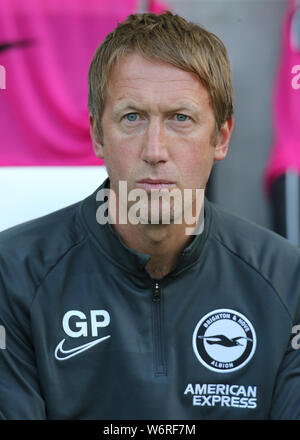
(54, 265)
(258, 272)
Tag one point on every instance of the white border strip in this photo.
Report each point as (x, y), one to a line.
(31, 192)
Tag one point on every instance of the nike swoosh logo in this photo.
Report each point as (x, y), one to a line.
(74, 351)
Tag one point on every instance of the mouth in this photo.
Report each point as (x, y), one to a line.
(148, 184)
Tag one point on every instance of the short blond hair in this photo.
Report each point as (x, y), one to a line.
(169, 38)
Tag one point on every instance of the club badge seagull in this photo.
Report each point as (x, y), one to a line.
(224, 340)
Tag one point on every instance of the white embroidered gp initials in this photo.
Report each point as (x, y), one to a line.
(82, 331)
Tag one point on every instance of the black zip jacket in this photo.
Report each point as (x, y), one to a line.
(87, 334)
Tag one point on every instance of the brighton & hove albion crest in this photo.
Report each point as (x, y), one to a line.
(224, 340)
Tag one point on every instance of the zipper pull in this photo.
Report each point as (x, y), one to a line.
(156, 293)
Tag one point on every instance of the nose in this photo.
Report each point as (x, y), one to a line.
(154, 149)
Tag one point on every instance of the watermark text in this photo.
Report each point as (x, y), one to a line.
(155, 207)
(296, 78)
(2, 77)
(295, 342)
(2, 338)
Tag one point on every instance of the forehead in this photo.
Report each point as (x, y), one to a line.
(136, 76)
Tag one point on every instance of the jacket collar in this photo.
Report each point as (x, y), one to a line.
(135, 262)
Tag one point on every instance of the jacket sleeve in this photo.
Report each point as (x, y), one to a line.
(286, 395)
(20, 393)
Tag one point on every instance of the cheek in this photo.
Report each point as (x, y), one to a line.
(118, 163)
(117, 152)
(195, 166)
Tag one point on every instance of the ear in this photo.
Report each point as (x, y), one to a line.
(223, 139)
(97, 146)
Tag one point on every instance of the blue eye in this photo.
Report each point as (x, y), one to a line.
(181, 118)
(131, 117)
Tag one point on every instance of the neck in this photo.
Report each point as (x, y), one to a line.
(163, 242)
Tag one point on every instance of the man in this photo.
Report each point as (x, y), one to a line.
(107, 317)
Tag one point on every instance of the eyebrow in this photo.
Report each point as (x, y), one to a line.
(131, 105)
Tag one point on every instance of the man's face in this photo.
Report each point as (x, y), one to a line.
(157, 128)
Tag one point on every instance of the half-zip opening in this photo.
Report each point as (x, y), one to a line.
(160, 367)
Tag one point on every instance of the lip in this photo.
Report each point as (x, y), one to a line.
(149, 184)
(155, 181)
